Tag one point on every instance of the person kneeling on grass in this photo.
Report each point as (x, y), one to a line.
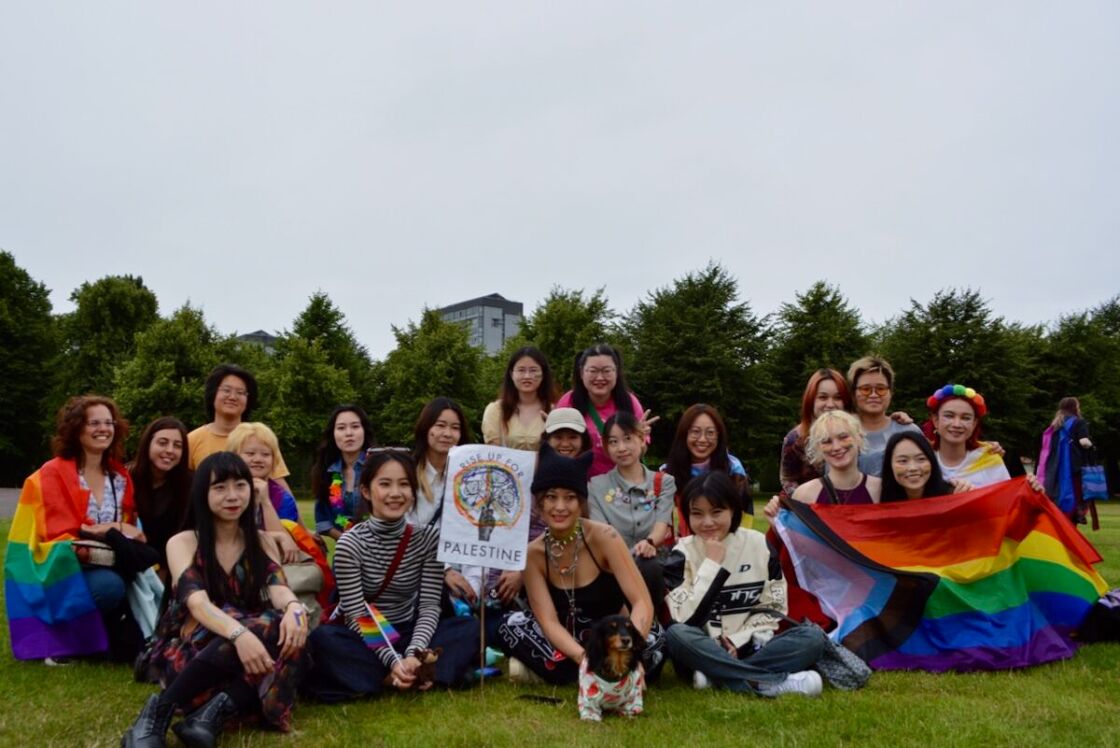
(233, 636)
(715, 577)
(389, 584)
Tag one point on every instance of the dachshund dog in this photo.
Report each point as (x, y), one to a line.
(611, 677)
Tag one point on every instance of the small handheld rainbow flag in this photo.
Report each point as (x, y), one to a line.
(377, 632)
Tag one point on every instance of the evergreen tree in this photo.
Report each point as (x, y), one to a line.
(28, 340)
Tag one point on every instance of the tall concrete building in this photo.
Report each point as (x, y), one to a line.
(490, 320)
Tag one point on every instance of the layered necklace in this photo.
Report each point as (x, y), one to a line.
(555, 548)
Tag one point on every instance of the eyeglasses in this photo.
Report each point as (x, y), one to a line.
(530, 373)
(380, 450)
(878, 389)
(100, 424)
(605, 371)
(235, 391)
(708, 434)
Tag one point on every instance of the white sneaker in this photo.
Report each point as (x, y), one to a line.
(700, 681)
(518, 673)
(56, 661)
(806, 683)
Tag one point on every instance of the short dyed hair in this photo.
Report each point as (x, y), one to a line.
(825, 424)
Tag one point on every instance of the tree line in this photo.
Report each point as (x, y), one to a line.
(693, 340)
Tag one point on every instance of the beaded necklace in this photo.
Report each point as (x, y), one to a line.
(554, 551)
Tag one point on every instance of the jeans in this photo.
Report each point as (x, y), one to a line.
(105, 587)
(789, 652)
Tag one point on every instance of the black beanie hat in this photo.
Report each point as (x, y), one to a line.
(557, 471)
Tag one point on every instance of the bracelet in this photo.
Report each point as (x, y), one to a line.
(236, 633)
(290, 602)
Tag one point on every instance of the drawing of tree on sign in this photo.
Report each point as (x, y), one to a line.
(488, 496)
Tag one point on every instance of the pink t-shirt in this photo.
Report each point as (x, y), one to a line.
(602, 463)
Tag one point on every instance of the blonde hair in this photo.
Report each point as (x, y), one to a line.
(869, 365)
(244, 431)
(826, 424)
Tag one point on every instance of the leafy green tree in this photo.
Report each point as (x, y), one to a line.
(694, 342)
(323, 323)
(100, 334)
(432, 358)
(956, 338)
(303, 387)
(564, 324)
(29, 342)
(166, 375)
(820, 329)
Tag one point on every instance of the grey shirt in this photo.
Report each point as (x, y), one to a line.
(631, 508)
(875, 443)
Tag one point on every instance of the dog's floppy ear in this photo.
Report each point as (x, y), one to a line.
(593, 648)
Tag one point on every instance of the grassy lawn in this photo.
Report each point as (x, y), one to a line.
(1069, 703)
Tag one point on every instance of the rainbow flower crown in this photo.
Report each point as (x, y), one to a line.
(958, 390)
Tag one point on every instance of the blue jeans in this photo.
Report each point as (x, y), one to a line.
(789, 652)
(105, 586)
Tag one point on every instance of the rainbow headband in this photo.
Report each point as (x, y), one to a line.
(958, 390)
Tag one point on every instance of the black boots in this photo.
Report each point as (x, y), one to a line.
(150, 728)
(203, 726)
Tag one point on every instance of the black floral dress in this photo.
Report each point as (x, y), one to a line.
(179, 639)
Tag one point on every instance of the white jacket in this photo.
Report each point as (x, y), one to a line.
(719, 597)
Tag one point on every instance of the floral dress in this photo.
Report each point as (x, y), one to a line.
(180, 638)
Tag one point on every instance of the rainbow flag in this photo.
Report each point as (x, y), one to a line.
(49, 608)
(309, 545)
(376, 630)
(991, 579)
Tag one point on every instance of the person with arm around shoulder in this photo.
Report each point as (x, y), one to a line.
(835, 440)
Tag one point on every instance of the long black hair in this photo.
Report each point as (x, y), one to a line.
(218, 467)
(935, 486)
(428, 417)
(581, 399)
(508, 395)
(328, 452)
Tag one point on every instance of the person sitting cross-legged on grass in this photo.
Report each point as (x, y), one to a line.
(231, 641)
(716, 576)
(389, 584)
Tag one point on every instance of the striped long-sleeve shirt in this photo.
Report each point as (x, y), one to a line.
(361, 558)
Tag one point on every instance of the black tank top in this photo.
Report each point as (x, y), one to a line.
(600, 598)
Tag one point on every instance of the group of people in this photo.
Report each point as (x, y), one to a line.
(671, 547)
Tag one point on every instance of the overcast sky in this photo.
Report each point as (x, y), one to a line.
(241, 156)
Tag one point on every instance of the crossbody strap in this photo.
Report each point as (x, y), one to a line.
(402, 546)
(831, 489)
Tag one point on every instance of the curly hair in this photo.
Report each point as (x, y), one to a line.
(70, 421)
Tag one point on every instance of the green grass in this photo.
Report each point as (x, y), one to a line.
(1068, 703)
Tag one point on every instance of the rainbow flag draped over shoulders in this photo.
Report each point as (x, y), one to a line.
(991, 579)
(49, 607)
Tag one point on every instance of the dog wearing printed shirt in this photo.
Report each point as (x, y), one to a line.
(611, 677)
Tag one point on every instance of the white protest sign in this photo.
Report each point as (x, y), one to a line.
(486, 507)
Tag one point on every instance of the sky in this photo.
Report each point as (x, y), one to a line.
(241, 157)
